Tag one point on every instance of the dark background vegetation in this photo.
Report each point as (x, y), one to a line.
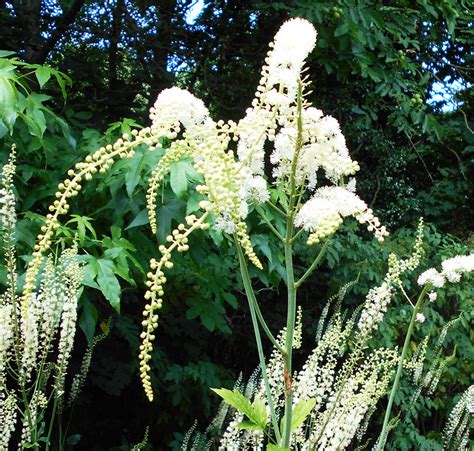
(380, 67)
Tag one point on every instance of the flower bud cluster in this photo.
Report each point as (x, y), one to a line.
(378, 299)
(276, 365)
(154, 295)
(376, 305)
(223, 182)
(415, 365)
(72, 274)
(36, 406)
(66, 338)
(323, 147)
(80, 378)
(344, 412)
(276, 94)
(172, 155)
(316, 378)
(293, 42)
(174, 107)
(399, 266)
(30, 345)
(6, 336)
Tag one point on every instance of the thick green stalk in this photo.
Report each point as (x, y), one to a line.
(261, 355)
(290, 277)
(396, 382)
(290, 329)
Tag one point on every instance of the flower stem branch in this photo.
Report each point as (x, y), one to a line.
(314, 265)
(396, 382)
(261, 355)
(277, 209)
(270, 225)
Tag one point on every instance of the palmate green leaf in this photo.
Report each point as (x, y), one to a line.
(255, 412)
(88, 319)
(272, 447)
(171, 210)
(260, 412)
(107, 281)
(299, 414)
(134, 171)
(237, 400)
(43, 74)
(139, 220)
(8, 99)
(83, 225)
(62, 80)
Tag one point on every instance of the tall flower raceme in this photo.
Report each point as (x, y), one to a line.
(36, 339)
(457, 429)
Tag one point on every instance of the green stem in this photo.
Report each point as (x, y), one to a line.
(297, 235)
(290, 278)
(51, 423)
(261, 355)
(272, 228)
(313, 266)
(383, 434)
(264, 325)
(276, 208)
(290, 328)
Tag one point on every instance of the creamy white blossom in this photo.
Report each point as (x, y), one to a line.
(8, 416)
(433, 277)
(7, 196)
(254, 189)
(420, 317)
(453, 268)
(175, 106)
(376, 305)
(324, 212)
(457, 429)
(293, 42)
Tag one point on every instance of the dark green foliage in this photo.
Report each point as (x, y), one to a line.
(375, 67)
